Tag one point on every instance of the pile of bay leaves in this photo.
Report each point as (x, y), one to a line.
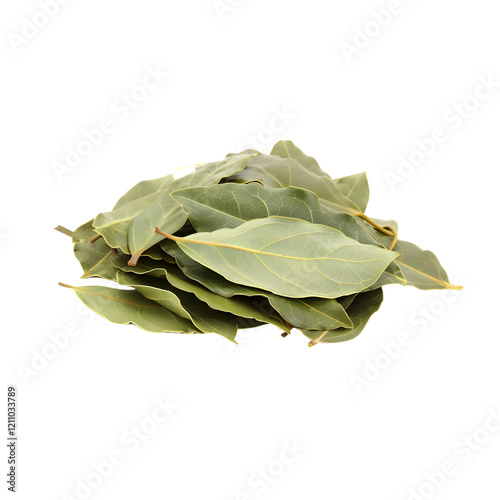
(245, 241)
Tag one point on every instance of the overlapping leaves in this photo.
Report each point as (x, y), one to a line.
(249, 240)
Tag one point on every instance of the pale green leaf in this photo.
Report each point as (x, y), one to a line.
(289, 257)
(355, 187)
(94, 258)
(229, 205)
(287, 149)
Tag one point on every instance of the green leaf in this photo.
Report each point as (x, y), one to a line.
(229, 205)
(166, 214)
(287, 149)
(289, 257)
(360, 311)
(156, 253)
(311, 312)
(242, 306)
(276, 172)
(166, 298)
(145, 189)
(314, 313)
(421, 268)
(355, 187)
(202, 316)
(146, 265)
(114, 225)
(128, 306)
(94, 258)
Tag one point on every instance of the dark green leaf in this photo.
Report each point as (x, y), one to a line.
(183, 304)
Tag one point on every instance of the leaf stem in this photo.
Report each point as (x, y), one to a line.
(387, 230)
(65, 231)
(94, 238)
(166, 235)
(394, 239)
(312, 343)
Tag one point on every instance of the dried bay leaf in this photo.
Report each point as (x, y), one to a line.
(289, 257)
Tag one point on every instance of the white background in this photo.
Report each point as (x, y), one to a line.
(230, 72)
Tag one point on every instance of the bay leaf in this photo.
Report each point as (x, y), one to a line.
(308, 312)
(166, 214)
(290, 257)
(156, 253)
(205, 318)
(94, 258)
(273, 171)
(287, 149)
(240, 306)
(229, 205)
(237, 305)
(356, 188)
(113, 226)
(145, 265)
(360, 311)
(421, 268)
(145, 189)
(128, 306)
